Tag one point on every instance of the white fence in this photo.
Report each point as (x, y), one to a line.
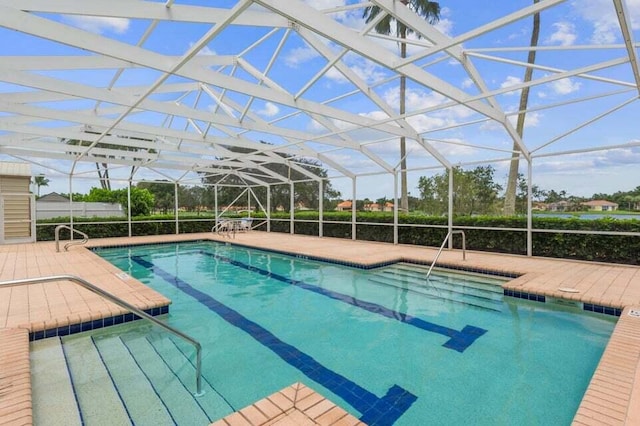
(48, 210)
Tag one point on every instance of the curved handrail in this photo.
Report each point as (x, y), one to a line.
(464, 249)
(112, 298)
(85, 237)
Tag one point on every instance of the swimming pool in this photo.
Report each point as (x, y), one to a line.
(380, 343)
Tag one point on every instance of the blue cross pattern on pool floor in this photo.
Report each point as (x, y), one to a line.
(375, 411)
(458, 340)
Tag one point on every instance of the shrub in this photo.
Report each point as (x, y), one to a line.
(413, 229)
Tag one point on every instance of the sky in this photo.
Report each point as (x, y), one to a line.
(459, 133)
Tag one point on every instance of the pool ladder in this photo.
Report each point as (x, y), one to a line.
(84, 240)
(115, 299)
(449, 235)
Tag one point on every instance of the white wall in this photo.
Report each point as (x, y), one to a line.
(48, 210)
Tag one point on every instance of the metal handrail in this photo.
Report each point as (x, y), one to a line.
(85, 237)
(86, 284)
(464, 249)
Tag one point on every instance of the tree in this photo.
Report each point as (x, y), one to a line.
(475, 191)
(163, 194)
(537, 194)
(512, 181)
(141, 199)
(40, 180)
(305, 191)
(429, 10)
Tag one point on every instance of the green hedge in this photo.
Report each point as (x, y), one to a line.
(413, 229)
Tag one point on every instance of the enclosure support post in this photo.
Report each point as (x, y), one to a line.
(175, 205)
(249, 202)
(215, 204)
(450, 219)
(395, 207)
(292, 229)
(529, 207)
(320, 207)
(268, 208)
(353, 209)
(129, 207)
(71, 204)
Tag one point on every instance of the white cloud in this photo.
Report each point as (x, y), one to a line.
(564, 35)
(595, 160)
(532, 119)
(445, 26)
(565, 86)
(335, 75)
(269, 110)
(299, 55)
(365, 69)
(368, 71)
(602, 15)
(454, 146)
(99, 25)
(511, 81)
(466, 83)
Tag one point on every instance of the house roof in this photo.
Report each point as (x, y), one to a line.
(345, 204)
(52, 197)
(595, 203)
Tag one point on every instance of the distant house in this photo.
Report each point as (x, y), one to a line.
(375, 207)
(560, 206)
(344, 206)
(53, 197)
(539, 206)
(601, 205)
(372, 207)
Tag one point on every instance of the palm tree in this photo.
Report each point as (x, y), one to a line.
(429, 10)
(512, 181)
(40, 180)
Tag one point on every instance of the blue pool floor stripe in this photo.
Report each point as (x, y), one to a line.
(458, 340)
(375, 411)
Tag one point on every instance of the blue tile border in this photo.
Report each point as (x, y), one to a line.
(356, 265)
(160, 243)
(607, 310)
(589, 307)
(524, 295)
(95, 324)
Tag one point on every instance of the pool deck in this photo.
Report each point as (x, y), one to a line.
(613, 396)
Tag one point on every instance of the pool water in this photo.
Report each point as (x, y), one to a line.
(384, 344)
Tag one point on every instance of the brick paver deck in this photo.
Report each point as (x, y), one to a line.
(613, 396)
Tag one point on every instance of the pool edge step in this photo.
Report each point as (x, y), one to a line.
(54, 400)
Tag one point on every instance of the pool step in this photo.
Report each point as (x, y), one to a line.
(54, 402)
(173, 354)
(467, 293)
(178, 399)
(137, 392)
(483, 284)
(128, 376)
(96, 394)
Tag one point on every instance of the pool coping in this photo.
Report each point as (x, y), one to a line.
(294, 405)
(613, 395)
